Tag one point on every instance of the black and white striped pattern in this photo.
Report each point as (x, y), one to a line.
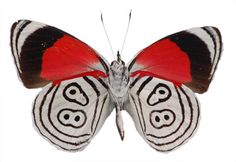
(165, 115)
(70, 114)
(20, 31)
(29, 40)
(203, 47)
(211, 36)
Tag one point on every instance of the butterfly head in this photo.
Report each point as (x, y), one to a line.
(118, 60)
(118, 64)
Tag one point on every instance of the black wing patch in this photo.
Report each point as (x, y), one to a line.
(203, 46)
(29, 40)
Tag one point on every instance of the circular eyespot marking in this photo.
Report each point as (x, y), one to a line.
(77, 118)
(157, 119)
(72, 118)
(166, 117)
(66, 116)
(162, 118)
(160, 93)
(74, 93)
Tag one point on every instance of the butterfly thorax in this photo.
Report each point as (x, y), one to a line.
(118, 80)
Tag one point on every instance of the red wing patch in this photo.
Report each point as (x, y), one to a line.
(69, 57)
(163, 59)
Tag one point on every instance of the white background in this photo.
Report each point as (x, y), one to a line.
(215, 139)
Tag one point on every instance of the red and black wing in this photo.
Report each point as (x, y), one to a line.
(188, 57)
(44, 54)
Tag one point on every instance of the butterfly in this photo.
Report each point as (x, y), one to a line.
(80, 88)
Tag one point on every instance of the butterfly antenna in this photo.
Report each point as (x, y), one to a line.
(126, 31)
(107, 36)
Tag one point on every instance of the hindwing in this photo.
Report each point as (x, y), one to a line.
(71, 113)
(165, 115)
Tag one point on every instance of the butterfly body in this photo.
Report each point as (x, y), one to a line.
(119, 80)
(81, 89)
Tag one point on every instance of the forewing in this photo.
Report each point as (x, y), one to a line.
(69, 114)
(166, 116)
(188, 57)
(43, 54)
